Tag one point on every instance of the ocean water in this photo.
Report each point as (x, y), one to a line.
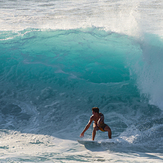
(60, 58)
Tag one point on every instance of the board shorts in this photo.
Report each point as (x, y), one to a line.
(102, 127)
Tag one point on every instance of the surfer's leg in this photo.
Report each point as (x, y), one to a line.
(107, 128)
(94, 133)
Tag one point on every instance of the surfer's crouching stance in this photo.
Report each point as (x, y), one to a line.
(98, 124)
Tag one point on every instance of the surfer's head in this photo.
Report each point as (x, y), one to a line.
(95, 109)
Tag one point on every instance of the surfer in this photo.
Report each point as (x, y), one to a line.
(98, 124)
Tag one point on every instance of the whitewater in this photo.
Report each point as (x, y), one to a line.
(60, 58)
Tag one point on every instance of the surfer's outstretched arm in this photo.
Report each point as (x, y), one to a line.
(86, 127)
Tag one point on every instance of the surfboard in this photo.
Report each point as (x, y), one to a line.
(95, 145)
(91, 142)
(84, 142)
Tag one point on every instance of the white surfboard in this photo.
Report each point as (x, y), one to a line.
(86, 142)
(91, 142)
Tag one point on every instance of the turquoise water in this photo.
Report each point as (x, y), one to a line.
(50, 78)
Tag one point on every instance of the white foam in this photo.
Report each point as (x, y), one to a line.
(148, 69)
(18, 147)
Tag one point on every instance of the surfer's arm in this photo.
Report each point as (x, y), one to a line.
(86, 127)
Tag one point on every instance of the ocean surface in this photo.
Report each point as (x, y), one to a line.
(60, 58)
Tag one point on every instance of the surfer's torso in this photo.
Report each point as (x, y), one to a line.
(99, 121)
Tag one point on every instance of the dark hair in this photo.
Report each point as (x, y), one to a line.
(95, 109)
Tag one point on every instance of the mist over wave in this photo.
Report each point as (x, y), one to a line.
(130, 17)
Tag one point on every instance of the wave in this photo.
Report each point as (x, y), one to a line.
(51, 79)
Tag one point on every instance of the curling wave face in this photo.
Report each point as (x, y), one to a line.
(52, 78)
